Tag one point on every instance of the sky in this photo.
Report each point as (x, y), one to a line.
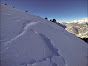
(61, 10)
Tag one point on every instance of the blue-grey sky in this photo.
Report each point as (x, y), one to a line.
(61, 10)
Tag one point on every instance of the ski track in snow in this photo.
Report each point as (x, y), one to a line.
(25, 27)
(49, 44)
(55, 53)
(52, 48)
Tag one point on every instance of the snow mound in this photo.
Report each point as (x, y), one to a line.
(28, 40)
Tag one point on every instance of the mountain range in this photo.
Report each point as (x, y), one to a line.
(78, 27)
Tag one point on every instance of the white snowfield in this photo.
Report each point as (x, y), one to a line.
(83, 20)
(28, 40)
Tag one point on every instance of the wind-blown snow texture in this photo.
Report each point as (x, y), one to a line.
(28, 40)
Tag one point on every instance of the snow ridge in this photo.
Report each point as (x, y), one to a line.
(20, 34)
(25, 29)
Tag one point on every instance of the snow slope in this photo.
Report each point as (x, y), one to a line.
(28, 40)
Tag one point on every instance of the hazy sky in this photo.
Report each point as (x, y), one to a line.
(61, 10)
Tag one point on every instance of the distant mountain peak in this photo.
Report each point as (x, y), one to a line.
(83, 20)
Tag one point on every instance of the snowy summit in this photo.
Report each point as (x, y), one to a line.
(29, 40)
(83, 20)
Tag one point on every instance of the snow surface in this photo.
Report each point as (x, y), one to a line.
(83, 20)
(29, 40)
(80, 21)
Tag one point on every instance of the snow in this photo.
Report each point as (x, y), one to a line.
(83, 20)
(29, 40)
(78, 29)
